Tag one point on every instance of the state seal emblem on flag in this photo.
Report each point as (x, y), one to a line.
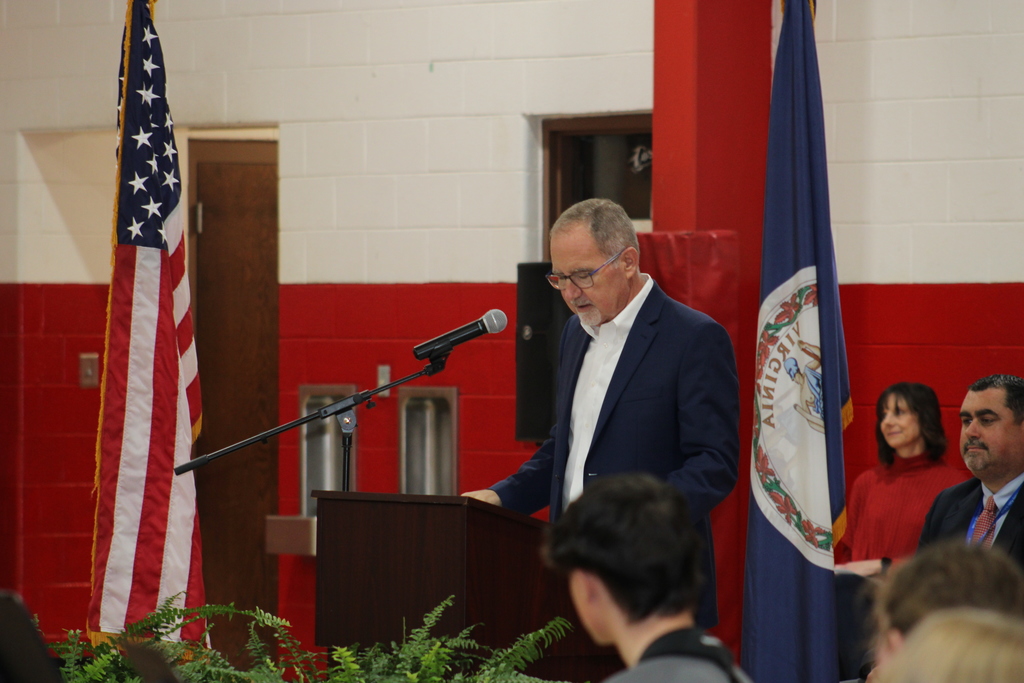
(788, 418)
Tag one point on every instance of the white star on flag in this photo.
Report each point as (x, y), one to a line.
(138, 183)
(147, 95)
(152, 207)
(135, 228)
(142, 139)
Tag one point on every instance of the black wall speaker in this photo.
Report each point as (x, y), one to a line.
(540, 316)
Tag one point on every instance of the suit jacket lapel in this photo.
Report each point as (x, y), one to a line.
(641, 334)
(960, 514)
(1009, 533)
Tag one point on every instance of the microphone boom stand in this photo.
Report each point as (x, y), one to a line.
(435, 365)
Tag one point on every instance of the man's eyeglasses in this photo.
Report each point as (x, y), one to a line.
(581, 279)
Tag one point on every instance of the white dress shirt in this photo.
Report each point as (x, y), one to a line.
(591, 386)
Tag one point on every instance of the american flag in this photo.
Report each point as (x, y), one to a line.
(146, 545)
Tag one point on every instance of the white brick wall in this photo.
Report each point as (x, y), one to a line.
(924, 106)
(64, 196)
(408, 140)
(409, 146)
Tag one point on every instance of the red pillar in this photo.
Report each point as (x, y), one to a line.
(674, 119)
(712, 82)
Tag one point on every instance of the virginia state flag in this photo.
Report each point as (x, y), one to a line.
(802, 394)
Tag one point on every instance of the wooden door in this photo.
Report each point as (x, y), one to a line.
(236, 313)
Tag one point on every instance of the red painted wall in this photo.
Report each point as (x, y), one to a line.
(894, 333)
(712, 80)
(945, 336)
(339, 334)
(48, 433)
(10, 435)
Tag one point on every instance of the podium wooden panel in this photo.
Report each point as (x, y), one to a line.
(385, 560)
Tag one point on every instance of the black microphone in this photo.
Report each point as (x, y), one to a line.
(493, 321)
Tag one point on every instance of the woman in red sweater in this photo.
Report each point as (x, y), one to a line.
(887, 505)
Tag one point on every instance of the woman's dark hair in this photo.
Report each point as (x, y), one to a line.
(921, 400)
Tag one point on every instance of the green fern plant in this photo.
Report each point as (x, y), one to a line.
(509, 663)
(423, 658)
(419, 658)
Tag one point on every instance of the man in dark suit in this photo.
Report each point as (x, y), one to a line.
(644, 384)
(986, 510)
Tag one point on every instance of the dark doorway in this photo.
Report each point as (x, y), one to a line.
(597, 156)
(233, 196)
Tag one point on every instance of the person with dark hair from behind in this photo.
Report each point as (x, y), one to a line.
(986, 510)
(631, 556)
(887, 505)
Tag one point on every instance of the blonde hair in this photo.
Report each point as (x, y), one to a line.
(960, 645)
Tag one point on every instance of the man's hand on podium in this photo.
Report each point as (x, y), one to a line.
(486, 495)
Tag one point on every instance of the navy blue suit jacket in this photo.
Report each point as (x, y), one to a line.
(951, 514)
(672, 409)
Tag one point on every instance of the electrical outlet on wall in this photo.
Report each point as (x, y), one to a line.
(88, 370)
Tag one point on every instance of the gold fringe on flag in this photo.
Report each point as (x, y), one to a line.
(838, 528)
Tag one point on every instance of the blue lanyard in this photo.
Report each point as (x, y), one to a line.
(981, 505)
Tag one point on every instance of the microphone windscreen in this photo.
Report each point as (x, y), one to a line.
(494, 321)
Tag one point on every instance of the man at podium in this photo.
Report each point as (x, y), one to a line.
(645, 383)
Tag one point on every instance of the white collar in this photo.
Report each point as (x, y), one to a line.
(623, 322)
(1004, 494)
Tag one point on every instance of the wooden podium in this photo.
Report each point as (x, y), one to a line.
(385, 560)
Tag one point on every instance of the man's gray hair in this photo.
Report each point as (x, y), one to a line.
(609, 225)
